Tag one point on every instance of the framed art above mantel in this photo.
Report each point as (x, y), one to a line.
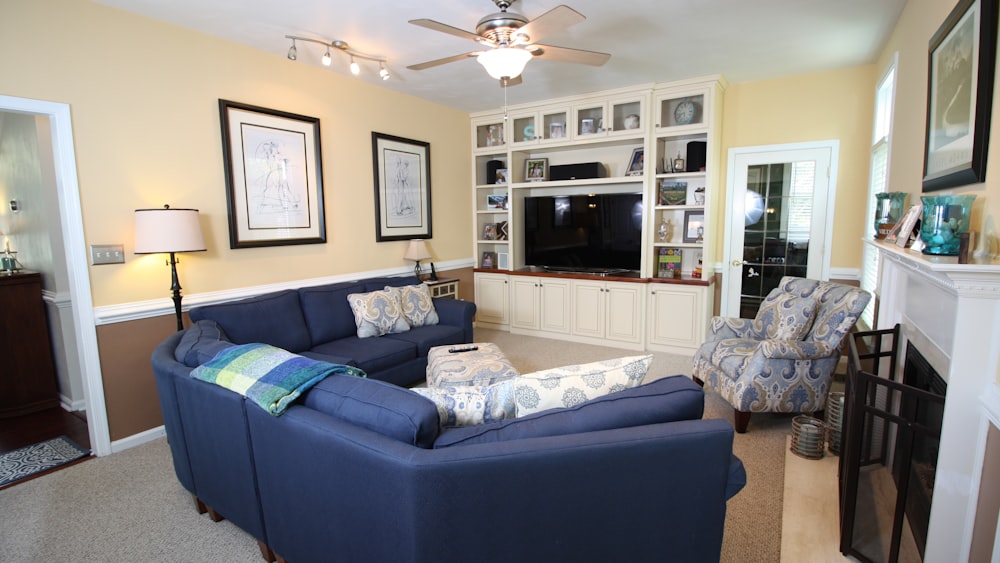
(961, 60)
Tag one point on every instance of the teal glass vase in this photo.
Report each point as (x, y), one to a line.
(945, 217)
(888, 211)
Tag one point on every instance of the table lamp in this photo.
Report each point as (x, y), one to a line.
(417, 251)
(169, 231)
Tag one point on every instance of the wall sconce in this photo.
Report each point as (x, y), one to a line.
(342, 46)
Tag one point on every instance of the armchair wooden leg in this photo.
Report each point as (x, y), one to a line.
(698, 381)
(215, 516)
(199, 505)
(740, 421)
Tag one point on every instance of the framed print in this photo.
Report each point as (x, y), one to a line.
(503, 261)
(496, 201)
(694, 225)
(489, 260)
(501, 176)
(635, 163)
(960, 73)
(274, 176)
(490, 231)
(536, 169)
(402, 188)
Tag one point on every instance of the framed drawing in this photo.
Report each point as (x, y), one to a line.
(694, 225)
(402, 188)
(274, 176)
(960, 73)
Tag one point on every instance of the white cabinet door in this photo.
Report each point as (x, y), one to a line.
(677, 315)
(524, 311)
(624, 311)
(588, 308)
(555, 304)
(491, 298)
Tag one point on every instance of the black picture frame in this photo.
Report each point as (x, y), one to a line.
(960, 96)
(274, 176)
(693, 220)
(402, 174)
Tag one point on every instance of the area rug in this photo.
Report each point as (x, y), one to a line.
(36, 458)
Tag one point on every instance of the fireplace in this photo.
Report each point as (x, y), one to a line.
(890, 449)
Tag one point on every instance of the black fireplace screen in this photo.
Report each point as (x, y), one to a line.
(889, 450)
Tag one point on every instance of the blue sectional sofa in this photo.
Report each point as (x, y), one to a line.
(359, 469)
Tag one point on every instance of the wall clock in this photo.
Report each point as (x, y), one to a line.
(684, 112)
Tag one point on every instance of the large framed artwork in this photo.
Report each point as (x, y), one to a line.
(402, 188)
(274, 176)
(960, 73)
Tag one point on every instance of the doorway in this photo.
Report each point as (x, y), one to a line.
(778, 220)
(60, 135)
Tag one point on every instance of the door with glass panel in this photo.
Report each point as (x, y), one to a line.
(778, 220)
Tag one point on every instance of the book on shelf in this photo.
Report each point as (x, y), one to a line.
(669, 263)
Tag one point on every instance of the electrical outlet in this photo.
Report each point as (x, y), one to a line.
(107, 254)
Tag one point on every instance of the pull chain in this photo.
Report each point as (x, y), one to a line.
(505, 81)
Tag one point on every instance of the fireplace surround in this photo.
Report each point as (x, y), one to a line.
(951, 313)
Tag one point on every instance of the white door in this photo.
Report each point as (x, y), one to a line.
(779, 219)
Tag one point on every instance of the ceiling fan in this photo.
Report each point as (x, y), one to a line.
(510, 41)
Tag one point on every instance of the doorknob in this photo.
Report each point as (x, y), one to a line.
(737, 262)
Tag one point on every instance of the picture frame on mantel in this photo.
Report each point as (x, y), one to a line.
(402, 188)
(274, 176)
(961, 60)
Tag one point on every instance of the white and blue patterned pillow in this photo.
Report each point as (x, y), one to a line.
(571, 385)
(784, 316)
(468, 406)
(377, 313)
(417, 304)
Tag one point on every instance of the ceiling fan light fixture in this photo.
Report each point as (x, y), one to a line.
(504, 61)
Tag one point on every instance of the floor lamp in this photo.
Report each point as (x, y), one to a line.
(169, 231)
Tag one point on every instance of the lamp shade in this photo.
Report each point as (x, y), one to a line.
(167, 230)
(504, 61)
(417, 250)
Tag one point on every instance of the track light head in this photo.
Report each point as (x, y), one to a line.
(342, 46)
(383, 72)
(355, 68)
(293, 53)
(326, 57)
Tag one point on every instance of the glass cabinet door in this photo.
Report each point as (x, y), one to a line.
(490, 135)
(589, 120)
(554, 125)
(627, 116)
(524, 129)
(677, 111)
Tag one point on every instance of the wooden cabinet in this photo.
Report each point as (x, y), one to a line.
(492, 300)
(678, 316)
(539, 303)
(28, 378)
(608, 310)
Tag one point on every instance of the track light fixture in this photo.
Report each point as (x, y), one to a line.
(343, 47)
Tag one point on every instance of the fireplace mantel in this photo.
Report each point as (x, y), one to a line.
(951, 312)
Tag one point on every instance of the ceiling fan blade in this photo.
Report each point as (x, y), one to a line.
(439, 62)
(450, 30)
(555, 20)
(505, 82)
(567, 55)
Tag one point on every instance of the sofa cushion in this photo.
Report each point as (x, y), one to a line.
(784, 316)
(327, 312)
(370, 354)
(378, 406)
(664, 400)
(416, 304)
(571, 385)
(467, 406)
(329, 358)
(427, 337)
(273, 318)
(200, 343)
(373, 284)
(377, 313)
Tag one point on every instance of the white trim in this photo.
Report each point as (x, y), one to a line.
(71, 406)
(853, 274)
(71, 218)
(138, 439)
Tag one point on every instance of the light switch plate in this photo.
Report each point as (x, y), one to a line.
(107, 254)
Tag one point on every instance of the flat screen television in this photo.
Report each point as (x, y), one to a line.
(599, 233)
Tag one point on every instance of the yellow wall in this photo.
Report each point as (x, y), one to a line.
(144, 99)
(812, 107)
(910, 39)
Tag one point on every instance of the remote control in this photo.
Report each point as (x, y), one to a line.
(463, 348)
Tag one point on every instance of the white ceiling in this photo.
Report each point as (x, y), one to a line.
(649, 40)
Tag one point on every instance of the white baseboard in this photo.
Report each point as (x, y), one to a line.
(138, 439)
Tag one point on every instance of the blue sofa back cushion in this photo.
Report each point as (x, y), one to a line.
(376, 284)
(381, 407)
(200, 343)
(273, 318)
(664, 400)
(327, 312)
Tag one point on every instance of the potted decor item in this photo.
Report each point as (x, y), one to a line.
(945, 218)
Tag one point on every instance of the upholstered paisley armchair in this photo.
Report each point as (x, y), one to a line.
(783, 360)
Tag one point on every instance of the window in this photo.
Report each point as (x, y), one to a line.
(878, 182)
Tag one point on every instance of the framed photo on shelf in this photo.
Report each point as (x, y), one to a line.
(557, 130)
(672, 193)
(496, 201)
(402, 188)
(536, 169)
(503, 261)
(961, 60)
(636, 163)
(489, 260)
(490, 231)
(501, 176)
(906, 225)
(274, 176)
(694, 225)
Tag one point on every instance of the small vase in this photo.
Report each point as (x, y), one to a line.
(888, 211)
(945, 217)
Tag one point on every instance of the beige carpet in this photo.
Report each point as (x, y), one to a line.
(130, 507)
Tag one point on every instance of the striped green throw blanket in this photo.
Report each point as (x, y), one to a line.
(269, 376)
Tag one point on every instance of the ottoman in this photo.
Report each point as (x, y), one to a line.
(479, 368)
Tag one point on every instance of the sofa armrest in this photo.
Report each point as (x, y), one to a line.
(795, 350)
(453, 312)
